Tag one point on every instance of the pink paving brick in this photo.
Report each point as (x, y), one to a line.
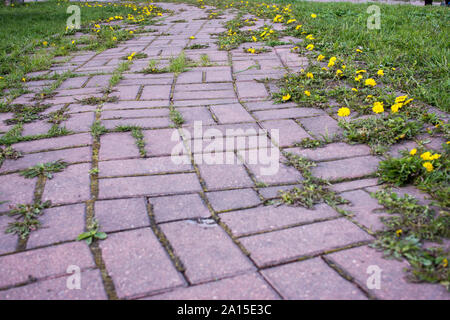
(352, 185)
(83, 154)
(69, 186)
(138, 263)
(41, 263)
(233, 199)
(333, 170)
(205, 250)
(121, 214)
(290, 113)
(162, 141)
(109, 149)
(243, 287)
(155, 92)
(393, 285)
(195, 95)
(321, 126)
(126, 92)
(231, 113)
(22, 193)
(365, 209)
(289, 244)
(311, 280)
(247, 90)
(59, 224)
(142, 166)
(332, 151)
(123, 105)
(178, 207)
(289, 131)
(55, 143)
(267, 218)
(56, 289)
(8, 241)
(148, 185)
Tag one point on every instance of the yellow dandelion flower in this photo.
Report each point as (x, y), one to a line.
(298, 27)
(24, 80)
(310, 37)
(445, 262)
(286, 97)
(320, 57)
(428, 166)
(343, 112)
(380, 73)
(399, 232)
(370, 82)
(358, 50)
(435, 156)
(313, 15)
(307, 93)
(396, 107)
(339, 72)
(413, 151)
(45, 43)
(309, 75)
(309, 47)
(378, 107)
(426, 155)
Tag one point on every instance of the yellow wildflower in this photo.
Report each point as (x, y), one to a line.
(307, 93)
(343, 112)
(354, 89)
(358, 78)
(192, 37)
(309, 47)
(396, 107)
(310, 37)
(309, 75)
(286, 97)
(320, 57)
(313, 15)
(360, 71)
(254, 39)
(399, 232)
(428, 166)
(339, 72)
(24, 80)
(435, 156)
(445, 262)
(400, 99)
(426, 155)
(331, 62)
(298, 27)
(380, 73)
(370, 82)
(378, 107)
(413, 152)
(45, 43)
(358, 50)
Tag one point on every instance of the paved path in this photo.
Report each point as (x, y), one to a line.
(191, 230)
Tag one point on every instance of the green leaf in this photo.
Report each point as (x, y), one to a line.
(101, 235)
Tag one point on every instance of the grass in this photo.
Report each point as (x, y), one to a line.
(27, 218)
(44, 169)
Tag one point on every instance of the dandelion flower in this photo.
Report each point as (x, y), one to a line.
(358, 50)
(428, 166)
(413, 152)
(331, 62)
(380, 73)
(358, 78)
(254, 38)
(378, 107)
(309, 47)
(309, 75)
(370, 82)
(313, 15)
(396, 107)
(307, 93)
(320, 57)
(45, 43)
(361, 71)
(354, 89)
(399, 232)
(400, 99)
(298, 27)
(339, 72)
(192, 37)
(286, 97)
(24, 80)
(344, 112)
(435, 156)
(310, 37)
(426, 155)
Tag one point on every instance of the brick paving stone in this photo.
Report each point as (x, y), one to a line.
(274, 191)
(155, 92)
(204, 102)
(80, 122)
(195, 95)
(286, 245)
(59, 224)
(72, 83)
(121, 214)
(289, 131)
(69, 186)
(223, 75)
(41, 263)
(393, 285)
(8, 241)
(74, 140)
(178, 207)
(269, 218)
(332, 151)
(142, 166)
(267, 105)
(311, 280)
(56, 289)
(224, 176)
(109, 146)
(233, 199)
(247, 90)
(136, 113)
(28, 160)
(35, 128)
(289, 113)
(159, 142)
(138, 264)
(352, 185)
(135, 104)
(204, 87)
(321, 126)
(126, 92)
(206, 251)
(242, 287)
(231, 113)
(334, 170)
(138, 122)
(190, 77)
(22, 193)
(192, 114)
(148, 185)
